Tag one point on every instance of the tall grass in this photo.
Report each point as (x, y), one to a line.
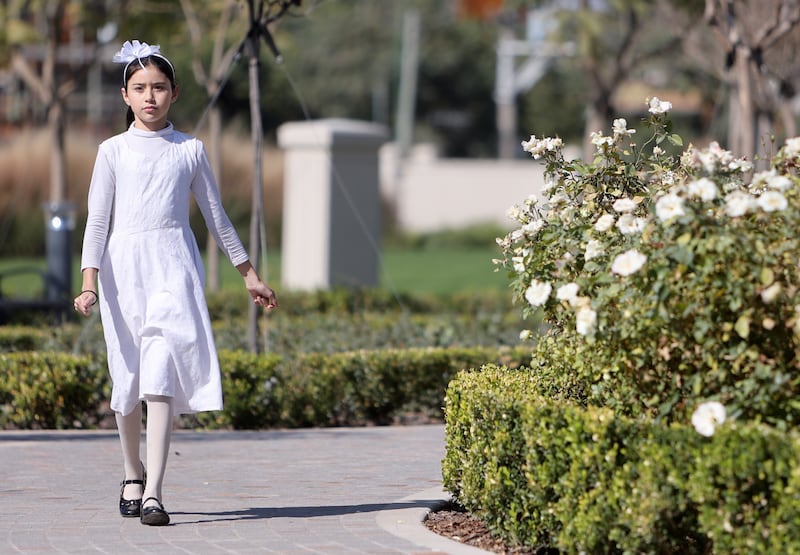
(25, 184)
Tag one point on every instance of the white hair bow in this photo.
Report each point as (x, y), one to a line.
(134, 51)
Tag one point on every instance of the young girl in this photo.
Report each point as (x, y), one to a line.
(140, 249)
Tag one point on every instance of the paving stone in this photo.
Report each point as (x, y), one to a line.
(310, 491)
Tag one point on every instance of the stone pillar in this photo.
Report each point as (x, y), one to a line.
(332, 205)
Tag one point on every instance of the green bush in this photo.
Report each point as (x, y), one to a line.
(21, 338)
(484, 444)
(50, 390)
(745, 482)
(377, 386)
(249, 385)
(227, 304)
(57, 390)
(674, 277)
(331, 332)
(543, 470)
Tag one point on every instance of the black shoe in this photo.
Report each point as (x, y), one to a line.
(129, 508)
(154, 516)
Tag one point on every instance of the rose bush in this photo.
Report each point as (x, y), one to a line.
(667, 277)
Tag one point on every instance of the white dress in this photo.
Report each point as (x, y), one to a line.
(151, 278)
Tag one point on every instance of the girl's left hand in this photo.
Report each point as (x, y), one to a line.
(263, 295)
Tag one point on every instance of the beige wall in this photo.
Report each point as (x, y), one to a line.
(431, 194)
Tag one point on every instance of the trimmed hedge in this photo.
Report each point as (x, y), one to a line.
(543, 470)
(376, 386)
(51, 390)
(57, 390)
(22, 338)
(232, 303)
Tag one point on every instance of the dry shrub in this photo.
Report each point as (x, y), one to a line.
(237, 175)
(25, 179)
(24, 171)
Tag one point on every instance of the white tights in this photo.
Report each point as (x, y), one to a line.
(159, 434)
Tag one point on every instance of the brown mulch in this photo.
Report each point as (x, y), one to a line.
(453, 522)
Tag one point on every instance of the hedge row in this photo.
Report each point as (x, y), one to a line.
(340, 300)
(59, 390)
(312, 332)
(51, 390)
(544, 471)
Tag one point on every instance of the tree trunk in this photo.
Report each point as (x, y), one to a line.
(55, 124)
(215, 156)
(742, 131)
(594, 122)
(256, 215)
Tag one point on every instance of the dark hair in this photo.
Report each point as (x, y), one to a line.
(135, 65)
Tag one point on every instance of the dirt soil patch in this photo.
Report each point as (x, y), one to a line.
(453, 522)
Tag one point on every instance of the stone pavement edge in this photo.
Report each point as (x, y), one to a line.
(330, 491)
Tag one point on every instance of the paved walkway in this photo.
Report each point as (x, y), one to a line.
(324, 491)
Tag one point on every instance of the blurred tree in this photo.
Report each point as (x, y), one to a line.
(760, 39)
(50, 45)
(344, 58)
(48, 25)
(615, 39)
(555, 106)
(219, 15)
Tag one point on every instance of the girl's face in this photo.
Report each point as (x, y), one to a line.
(149, 93)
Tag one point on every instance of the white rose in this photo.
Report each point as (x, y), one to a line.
(779, 183)
(628, 262)
(628, 224)
(740, 165)
(538, 292)
(669, 206)
(604, 223)
(772, 201)
(793, 146)
(703, 188)
(585, 320)
(707, 417)
(567, 292)
(594, 248)
(533, 227)
(624, 205)
(656, 106)
(620, 128)
(738, 203)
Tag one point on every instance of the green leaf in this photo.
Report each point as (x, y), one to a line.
(676, 139)
(767, 276)
(742, 326)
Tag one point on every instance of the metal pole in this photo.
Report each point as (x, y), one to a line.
(408, 83)
(59, 224)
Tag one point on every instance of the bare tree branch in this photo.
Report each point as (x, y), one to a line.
(22, 68)
(195, 36)
(785, 17)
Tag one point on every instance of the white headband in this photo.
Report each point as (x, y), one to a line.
(136, 50)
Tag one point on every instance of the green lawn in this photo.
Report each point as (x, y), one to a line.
(442, 270)
(445, 270)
